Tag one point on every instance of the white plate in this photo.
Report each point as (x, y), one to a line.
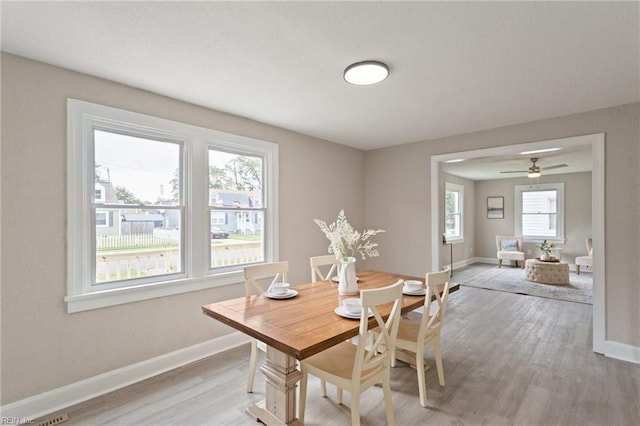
(420, 292)
(340, 310)
(288, 295)
(337, 280)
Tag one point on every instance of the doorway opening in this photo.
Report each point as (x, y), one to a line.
(596, 142)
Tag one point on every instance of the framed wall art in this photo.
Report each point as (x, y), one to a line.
(495, 207)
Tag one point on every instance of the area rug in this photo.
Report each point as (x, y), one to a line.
(579, 289)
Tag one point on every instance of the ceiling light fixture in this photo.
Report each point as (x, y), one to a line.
(366, 73)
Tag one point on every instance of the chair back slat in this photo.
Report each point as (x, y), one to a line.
(438, 289)
(256, 276)
(318, 261)
(368, 360)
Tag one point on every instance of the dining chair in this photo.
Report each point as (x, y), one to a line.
(416, 337)
(357, 367)
(317, 262)
(255, 282)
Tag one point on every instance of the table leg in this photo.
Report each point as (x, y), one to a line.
(282, 377)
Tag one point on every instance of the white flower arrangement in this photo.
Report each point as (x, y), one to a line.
(346, 241)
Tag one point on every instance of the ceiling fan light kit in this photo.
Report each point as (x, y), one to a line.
(535, 171)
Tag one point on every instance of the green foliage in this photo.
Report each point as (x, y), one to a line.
(218, 178)
(126, 196)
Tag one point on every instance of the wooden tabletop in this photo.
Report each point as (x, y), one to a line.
(306, 324)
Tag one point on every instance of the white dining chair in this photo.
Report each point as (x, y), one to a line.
(357, 367)
(416, 337)
(257, 280)
(317, 264)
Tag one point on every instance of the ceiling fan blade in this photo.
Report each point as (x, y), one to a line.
(557, 166)
(516, 171)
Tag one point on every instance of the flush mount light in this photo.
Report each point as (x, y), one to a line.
(366, 72)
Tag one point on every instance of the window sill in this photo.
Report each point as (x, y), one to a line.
(106, 298)
(538, 240)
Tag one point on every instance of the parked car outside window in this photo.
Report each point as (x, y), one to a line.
(217, 233)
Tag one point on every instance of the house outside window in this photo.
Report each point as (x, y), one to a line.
(454, 211)
(218, 218)
(102, 218)
(135, 236)
(540, 212)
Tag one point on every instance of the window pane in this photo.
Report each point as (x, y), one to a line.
(240, 240)
(539, 201)
(237, 210)
(137, 244)
(539, 215)
(133, 242)
(236, 179)
(453, 213)
(140, 171)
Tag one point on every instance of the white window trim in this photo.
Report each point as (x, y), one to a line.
(559, 187)
(448, 186)
(81, 116)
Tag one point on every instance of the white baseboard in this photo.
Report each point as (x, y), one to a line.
(58, 399)
(465, 262)
(491, 260)
(622, 351)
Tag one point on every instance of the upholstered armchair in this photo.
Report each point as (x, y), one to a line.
(509, 248)
(585, 260)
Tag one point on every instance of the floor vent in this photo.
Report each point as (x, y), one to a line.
(54, 420)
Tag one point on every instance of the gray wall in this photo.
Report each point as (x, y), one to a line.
(43, 347)
(403, 205)
(577, 193)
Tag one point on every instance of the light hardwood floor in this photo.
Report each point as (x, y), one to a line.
(508, 359)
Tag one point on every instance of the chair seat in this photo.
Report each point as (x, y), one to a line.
(511, 255)
(338, 361)
(408, 331)
(584, 260)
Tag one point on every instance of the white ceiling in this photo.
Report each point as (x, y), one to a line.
(455, 67)
(575, 152)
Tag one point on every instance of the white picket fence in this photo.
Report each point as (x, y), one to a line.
(110, 242)
(127, 264)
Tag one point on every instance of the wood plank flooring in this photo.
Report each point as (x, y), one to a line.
(509, 360)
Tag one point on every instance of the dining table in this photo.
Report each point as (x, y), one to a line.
(298, 327)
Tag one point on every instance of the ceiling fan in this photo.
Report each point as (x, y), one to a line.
(534, 170)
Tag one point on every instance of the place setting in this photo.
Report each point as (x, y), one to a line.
(350, 308)
(413, 288)
(280, 291)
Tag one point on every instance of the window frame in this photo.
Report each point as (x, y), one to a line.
(559, 188)
(453, 187)
(82, 118)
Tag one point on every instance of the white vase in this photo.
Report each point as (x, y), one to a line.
(544, 256)
(348, 283)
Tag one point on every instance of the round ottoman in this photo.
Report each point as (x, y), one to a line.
(546, 272)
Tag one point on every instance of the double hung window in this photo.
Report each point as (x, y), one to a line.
(540, 211)
(157, 207)
(454, 213)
